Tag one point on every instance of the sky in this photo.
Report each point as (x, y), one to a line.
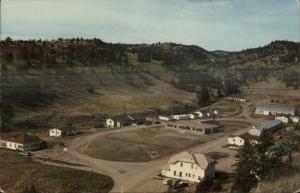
(212, 24)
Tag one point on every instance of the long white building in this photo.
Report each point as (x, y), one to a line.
(273, 109)
(192, 167)
(270, 126)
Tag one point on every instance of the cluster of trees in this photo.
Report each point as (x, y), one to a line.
(61, 53)
(257, 162)
(173, 54)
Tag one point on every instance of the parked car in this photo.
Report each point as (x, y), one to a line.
(25, 153)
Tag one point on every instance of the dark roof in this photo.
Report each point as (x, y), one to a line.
(122, 118)
(247, 136)
(19, 137)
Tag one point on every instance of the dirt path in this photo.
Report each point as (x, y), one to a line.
(138, 177)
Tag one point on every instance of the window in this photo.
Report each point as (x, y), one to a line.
(181, 164)
(192, 166)
(189, 175)
(180, 174)
(174, 173)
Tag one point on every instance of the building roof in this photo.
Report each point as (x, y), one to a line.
(195, 158)
(123, 118)
(269, 125)
(19, 137)
(195, 124)
(283, 109)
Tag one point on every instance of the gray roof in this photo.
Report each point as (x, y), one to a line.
(269, 125)
(195, 158)
(285, 109)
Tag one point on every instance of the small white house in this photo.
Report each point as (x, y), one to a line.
(62, 132)
(198, 114)
(110, 123)
(295, 119)
(164, 118)
(239, 140)
(283, 118)
(192, 167)
(236, 141)
(192, 116)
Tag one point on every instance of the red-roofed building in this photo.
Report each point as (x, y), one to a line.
(20, 141)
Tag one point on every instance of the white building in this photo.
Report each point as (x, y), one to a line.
(295, 119)
(192, 116)
(283, 118)
(239, 140)
(198, 114)
(192, 167)
(179, 117)
(21, 141)
(164, 118)
(271, 109)
(62, 132)
(270, 126)
(119, 121)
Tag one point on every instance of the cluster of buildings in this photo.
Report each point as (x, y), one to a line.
(125, 120)
(191, 167)
(254, 134)
(192, 115)
(284, 113)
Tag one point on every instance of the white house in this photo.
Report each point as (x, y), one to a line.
(295, 119)
(198, 114)
(21, 141)
(283, 118)
(192, 116)
(119, 121)
(110, 123)
(62, 132)
(164, 118)
(192, 167)
(179, 117)
(239, 140)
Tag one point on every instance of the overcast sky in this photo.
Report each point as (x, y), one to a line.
(211, 24)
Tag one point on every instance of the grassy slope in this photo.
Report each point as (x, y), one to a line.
(89, 91)
(18, 172)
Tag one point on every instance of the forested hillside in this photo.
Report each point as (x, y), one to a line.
(87, 79)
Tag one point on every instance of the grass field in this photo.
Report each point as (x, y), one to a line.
(141, 145)
(226, 108)
(18, 172)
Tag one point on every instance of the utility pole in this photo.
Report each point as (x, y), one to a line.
(0, 63)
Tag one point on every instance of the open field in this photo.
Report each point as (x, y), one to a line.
(141, 145)
(18, 172)
(226, 108)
